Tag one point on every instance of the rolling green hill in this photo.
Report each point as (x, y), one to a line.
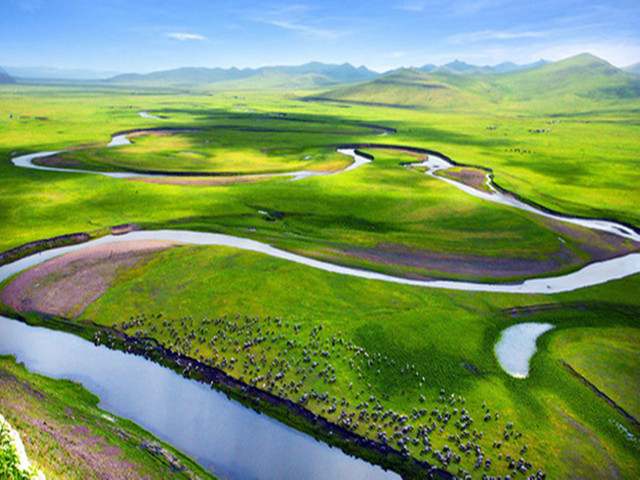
(406, 88)
(581, 77)
(633, 69)
(577, 84)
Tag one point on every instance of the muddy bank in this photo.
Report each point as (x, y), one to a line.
(125, 228)
(473, 177)
(30, 248)
(430, 265)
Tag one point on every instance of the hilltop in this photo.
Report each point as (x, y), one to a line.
(408, 88)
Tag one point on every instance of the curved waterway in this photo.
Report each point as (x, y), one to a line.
(231, 440)
(517, 345)
(226, 438)
(434, 164)
(593, 274)
(145, 114)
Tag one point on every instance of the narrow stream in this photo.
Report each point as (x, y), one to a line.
(593, 274)
(435, 164)
(26, 161)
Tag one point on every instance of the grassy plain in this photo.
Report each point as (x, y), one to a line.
(586, 165)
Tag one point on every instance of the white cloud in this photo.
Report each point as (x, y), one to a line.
(307, 30)
(183, 37)
(489, 35)
(412, 6)
(299, 18)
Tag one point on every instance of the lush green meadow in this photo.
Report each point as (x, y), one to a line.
(404, 348)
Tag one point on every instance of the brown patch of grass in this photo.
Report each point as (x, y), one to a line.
(472, 177)
(431, 264)
(57, 161)
(66, 285)
(205, 181)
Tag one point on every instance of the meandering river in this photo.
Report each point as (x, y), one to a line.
(589, 275)
(231, 440)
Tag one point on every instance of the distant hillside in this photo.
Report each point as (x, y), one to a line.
(308, 76)
(182, 77)
(463, 68)
(574, 84)
(458, 67)
(633, 69)
(406, 88)
(5, 78)
(507, 67)
(429, 67)
(53, 73)
(572, 81)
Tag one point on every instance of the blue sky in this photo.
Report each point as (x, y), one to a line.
(147, 35)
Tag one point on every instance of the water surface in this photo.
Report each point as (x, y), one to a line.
(225, 437)
(517, 345)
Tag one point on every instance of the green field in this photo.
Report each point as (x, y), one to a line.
(409, 350)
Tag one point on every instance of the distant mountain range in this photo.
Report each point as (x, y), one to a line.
(52, 73)
(573, 84)
(454, 84)
(312, 75)
(308, 76)
(5, 78)
(459, 67)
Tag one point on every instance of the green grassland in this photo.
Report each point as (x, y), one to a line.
(67, 436)
(585, 165)
(216, 152)
(398, 345)
(608, 358)
(349, 218)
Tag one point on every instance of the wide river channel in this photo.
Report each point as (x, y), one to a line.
(225, 437)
